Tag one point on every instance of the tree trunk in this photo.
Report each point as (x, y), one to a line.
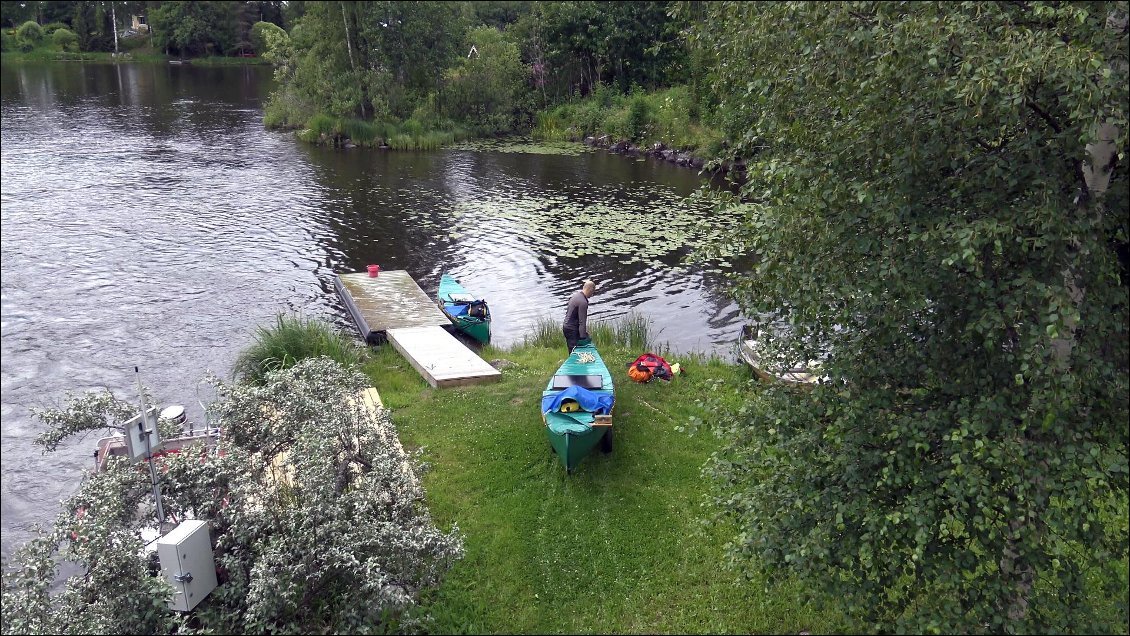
(352, 63)
(1096, 171)
(114, 21)
(348, 45)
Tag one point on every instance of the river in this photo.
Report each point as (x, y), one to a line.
(149, 220)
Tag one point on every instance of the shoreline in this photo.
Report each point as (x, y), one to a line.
(735, 170)
(58, 57)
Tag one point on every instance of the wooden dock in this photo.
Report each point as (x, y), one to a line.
(440, 357)
(392, 307)
(390, 300)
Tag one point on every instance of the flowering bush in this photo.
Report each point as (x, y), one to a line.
(318, 523)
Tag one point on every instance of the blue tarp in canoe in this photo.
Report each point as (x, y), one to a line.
(591, 401)
(456, 309)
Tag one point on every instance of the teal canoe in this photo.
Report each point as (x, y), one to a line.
(469, 314)
(574, 433)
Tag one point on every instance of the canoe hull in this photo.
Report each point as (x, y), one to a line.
(571, 448)
(572, 436)
(749, 355)
(475, 327)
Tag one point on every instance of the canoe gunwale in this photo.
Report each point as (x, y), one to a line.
(799, 376)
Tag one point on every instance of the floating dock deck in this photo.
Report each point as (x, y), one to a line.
(391, 307)
(390, 300)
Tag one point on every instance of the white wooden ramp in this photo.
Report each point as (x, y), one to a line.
(440, 357)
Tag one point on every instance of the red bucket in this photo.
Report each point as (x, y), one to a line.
(374, 270)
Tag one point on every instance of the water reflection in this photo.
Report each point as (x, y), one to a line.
(148, 219)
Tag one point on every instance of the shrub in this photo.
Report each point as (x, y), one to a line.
(260, 41)
(286, 109)
(484, 91)
(65, 39)
(639, 117)
(29, 32)
(427, 113)
(401, 142)
(133, 42)
(548, 128)
(331, 536)
(412, 128)
(290, 341)
(361, 132)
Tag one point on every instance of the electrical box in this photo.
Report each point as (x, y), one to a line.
(187, 563)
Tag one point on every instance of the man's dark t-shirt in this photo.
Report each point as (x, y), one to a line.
(577, 315)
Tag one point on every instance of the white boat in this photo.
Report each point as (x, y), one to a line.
(116, 445)
(751, 354)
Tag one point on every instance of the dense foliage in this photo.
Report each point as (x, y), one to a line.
(65, 39)
(934, 208)
(317, 519)
(486, 66)
(483, 88)
(30, 32)
(582, 45)
(212, 27)
(259, 37)
(927, 204)
(193, 28)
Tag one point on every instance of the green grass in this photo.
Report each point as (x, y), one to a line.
(223, 60)
(408, 135)
(617, 547)
(668, 115)
(50, 53)
(633, 331)
(291, 340)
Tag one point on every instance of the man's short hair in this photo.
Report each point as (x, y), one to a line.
(588, 284)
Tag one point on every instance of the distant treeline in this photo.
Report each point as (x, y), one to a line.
(187, 29)
(483, 67)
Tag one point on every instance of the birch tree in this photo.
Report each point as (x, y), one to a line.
(936, 200)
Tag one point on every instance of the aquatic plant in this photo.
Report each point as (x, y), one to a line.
(291, 340)
(632, 331)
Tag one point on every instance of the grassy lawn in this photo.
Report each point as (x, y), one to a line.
(618, 546)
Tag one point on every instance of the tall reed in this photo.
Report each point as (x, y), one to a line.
(632, 331)
(290, 340)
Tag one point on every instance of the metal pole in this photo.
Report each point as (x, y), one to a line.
(142, 428)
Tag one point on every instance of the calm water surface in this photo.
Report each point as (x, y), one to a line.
(149, 220)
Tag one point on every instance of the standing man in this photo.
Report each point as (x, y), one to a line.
(576, 325)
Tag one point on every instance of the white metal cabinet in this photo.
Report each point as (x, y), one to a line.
(187, 563)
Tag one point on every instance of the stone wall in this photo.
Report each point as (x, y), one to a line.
(733, 169)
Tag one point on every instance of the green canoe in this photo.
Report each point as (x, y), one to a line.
(574, 433)
(470, 315)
